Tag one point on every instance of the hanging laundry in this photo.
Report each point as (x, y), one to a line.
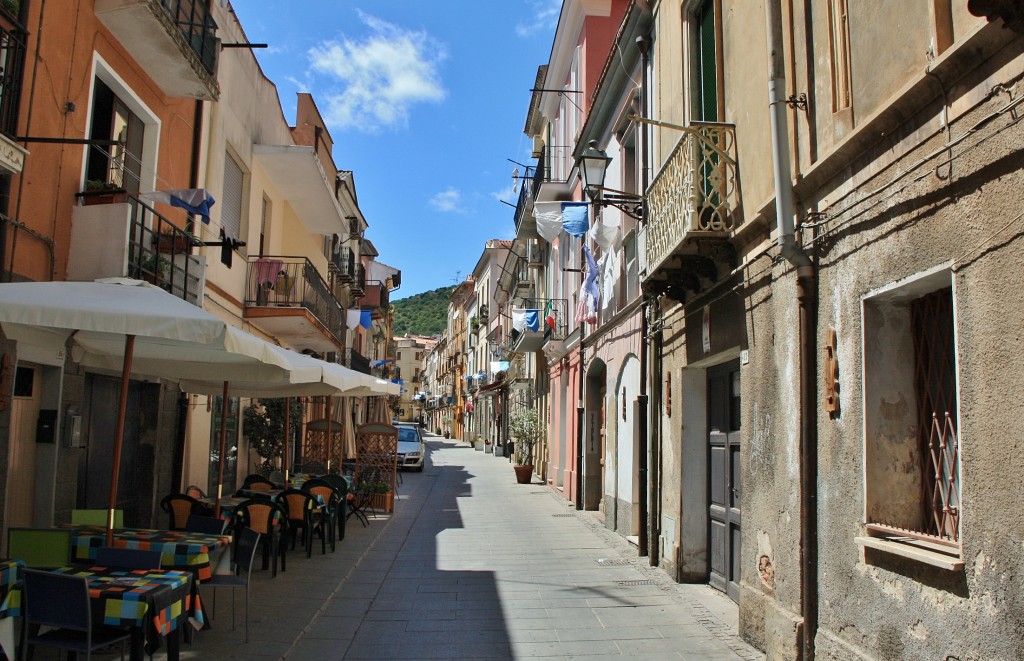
(518, 319)
(606, 233)
(194, 200)
(549, 219)
(366, 318)
(610, 273)
(574, 218)
(586, 308)
(532, 320)
(352, 318)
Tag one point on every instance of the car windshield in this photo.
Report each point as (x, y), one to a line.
(407, 434)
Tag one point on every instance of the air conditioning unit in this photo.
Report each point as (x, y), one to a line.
(535, 254)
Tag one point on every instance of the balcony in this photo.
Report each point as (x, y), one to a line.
(527, 194)
(175, 42)
(287, 297)
(358, 284)
(693, 206)
(356, 361)
(131, 239)
(375, 298)
(552, 325)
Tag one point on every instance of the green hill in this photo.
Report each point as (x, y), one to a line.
(422, 314)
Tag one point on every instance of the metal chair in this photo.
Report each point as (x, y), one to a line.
(246, 542)
(61, 601)
(109, 556)
(341, 484)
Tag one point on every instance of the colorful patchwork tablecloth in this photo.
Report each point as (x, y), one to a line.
(155, 601)
(183, 551)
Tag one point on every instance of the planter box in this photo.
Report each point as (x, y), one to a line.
(499, 450)
(91, 197)
(383, 502)
(488, 448)
(478, 445)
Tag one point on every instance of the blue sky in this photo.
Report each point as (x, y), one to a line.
(426, 102)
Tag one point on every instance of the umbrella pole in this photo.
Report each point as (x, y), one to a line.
(126, 372)
(223, 442)
(330, 450)
(287, 433)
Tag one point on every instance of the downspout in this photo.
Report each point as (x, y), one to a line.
(646, 493)
(807, 303)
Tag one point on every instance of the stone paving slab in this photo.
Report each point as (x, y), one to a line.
(474, 566)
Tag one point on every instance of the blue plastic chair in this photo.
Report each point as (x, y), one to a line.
(61, 601)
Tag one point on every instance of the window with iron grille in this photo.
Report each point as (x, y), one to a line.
(911, 420)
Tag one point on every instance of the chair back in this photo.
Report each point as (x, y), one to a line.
(318, 487)
(194, 491)
(258, 514)
(336, 481)
(42, 548)
(179, 506)
(246, 541)
(96, 518)
(297, 503)
(108, 556)
(257, 483)
(209, 525)
(56, 600)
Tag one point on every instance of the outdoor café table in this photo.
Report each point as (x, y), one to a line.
(9, 571)
(256, 493)
(155, 603)
(182, 550)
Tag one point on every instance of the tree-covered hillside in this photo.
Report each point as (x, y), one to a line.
(422, 314)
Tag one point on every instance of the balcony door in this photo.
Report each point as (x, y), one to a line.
(119, 164)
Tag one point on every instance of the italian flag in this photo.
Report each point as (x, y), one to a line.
(549, 315)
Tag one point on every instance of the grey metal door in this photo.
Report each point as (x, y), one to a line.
(725, 479)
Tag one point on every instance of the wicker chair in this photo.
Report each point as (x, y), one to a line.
(304, 514)
(269, 519)
(179, 506)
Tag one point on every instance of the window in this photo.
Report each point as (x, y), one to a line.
(912, 445)
(839, 43)
(231, 199)
(705, 63)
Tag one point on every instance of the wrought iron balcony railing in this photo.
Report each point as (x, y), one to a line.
(697, 191)
(196, 24)
(161, 253)
(274, 281)
(12, 59)
(357, 361)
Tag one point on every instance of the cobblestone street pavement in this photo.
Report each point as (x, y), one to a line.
(473, 565)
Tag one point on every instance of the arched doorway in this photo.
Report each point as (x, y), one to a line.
(594, 435)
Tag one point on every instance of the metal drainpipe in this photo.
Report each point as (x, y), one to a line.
(807, 303)
(647, 493)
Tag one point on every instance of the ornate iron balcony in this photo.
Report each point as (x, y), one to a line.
(696, 192)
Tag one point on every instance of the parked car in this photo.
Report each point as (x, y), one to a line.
(411, 448)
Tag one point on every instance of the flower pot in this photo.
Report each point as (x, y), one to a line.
(524, 474)
(171, 243)
(478, 445)
(91, 197)
(488, 448)
(383, 502)
(499, 450)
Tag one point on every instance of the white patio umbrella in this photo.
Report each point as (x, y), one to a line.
(134, 326)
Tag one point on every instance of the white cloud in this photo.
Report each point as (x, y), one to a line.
(381, 76)
(507, 194)
(543, 16)
(448, 201)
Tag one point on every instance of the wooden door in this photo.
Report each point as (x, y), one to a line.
(21, 458)
(725, 478)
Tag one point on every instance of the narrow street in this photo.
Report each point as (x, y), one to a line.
(473, 565)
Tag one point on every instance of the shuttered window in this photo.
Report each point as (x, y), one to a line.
(706, 63)
(231, 199)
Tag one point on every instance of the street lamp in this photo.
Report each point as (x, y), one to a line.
(593, 166)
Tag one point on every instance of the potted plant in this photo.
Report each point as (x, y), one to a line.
(170, 240)
(98, 191)
(155, 269)
(524, 428)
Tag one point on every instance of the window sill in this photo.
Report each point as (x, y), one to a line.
(900, 548)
